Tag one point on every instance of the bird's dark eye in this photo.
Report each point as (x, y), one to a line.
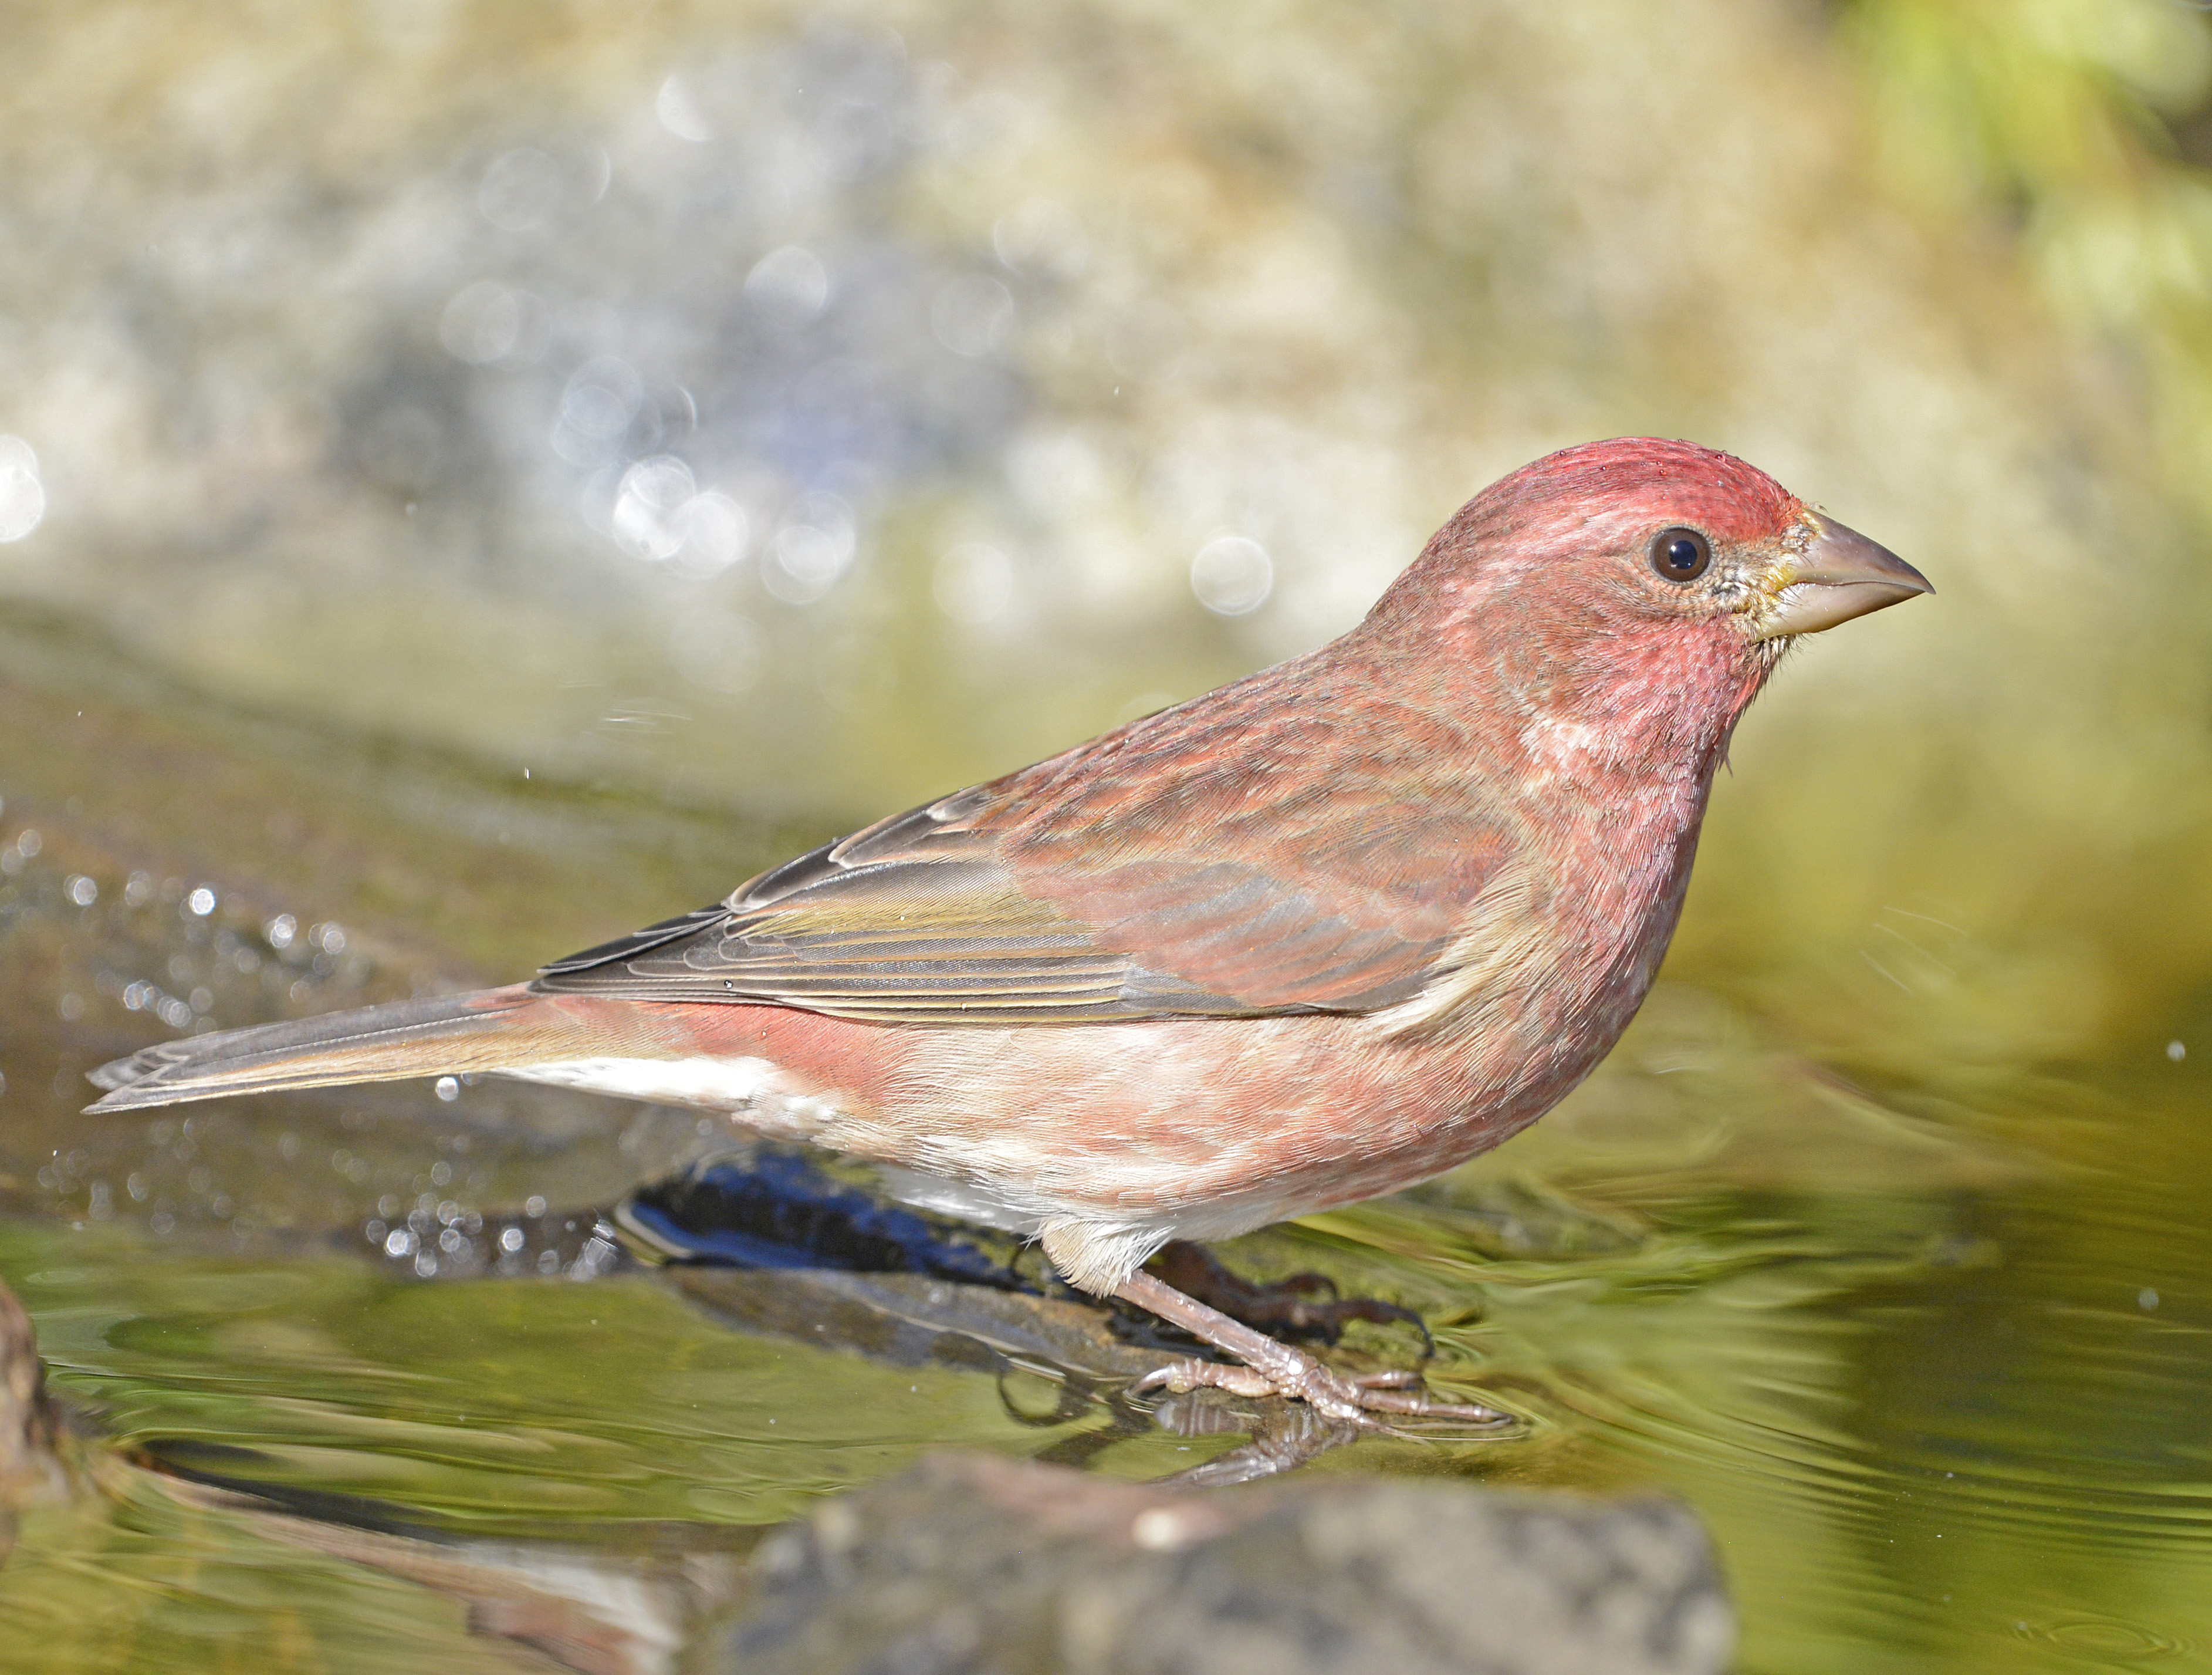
(1680, 555)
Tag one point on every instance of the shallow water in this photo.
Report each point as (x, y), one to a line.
(1927, 1352)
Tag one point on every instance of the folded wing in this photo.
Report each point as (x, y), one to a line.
(1176, 868)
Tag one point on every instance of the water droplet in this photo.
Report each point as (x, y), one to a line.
(448, 1089)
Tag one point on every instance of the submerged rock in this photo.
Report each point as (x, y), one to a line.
(969, 1562)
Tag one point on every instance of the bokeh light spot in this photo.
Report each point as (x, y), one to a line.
(1042, 239)
(990, 132)
(654, 492)
(972, 316)
(680, 114)
(790, 285)
(488, 321)
(714, 529)
(811, 550)
(1232, 574)
(520, 189)
(23, 496)
(602, 396)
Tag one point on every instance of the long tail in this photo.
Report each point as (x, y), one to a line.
(489, 1030)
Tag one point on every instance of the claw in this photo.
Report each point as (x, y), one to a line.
(1402, 1378)
(1419, 1405)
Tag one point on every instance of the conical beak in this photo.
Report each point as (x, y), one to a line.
(1839, 574)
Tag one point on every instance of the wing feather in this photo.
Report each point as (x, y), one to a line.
(1178, 867)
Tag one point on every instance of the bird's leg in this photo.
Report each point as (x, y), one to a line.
(1270, 1368)
(1302, 1306)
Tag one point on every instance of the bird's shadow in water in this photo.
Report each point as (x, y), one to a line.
(774, 1240)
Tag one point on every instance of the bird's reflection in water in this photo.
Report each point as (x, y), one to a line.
(775, 1241)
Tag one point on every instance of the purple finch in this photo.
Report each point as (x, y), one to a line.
(1317, 936)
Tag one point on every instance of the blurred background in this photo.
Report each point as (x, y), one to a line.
(477, 476)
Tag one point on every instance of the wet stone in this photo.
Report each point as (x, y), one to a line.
(972, 1563)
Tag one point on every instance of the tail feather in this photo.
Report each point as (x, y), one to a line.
(439, 1036)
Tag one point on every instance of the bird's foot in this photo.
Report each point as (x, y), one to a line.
(1264, 1367)
(1297, 1377)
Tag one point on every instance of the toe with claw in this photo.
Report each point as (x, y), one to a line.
(1182, 1377)
(1358, 1399)
(1264, 1367)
